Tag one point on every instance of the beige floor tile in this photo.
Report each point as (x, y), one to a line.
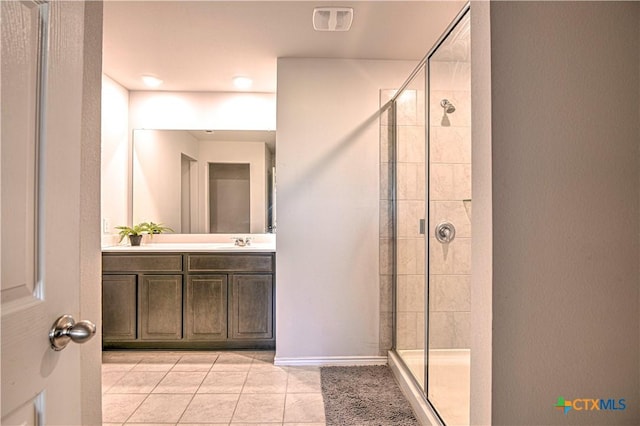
(180, 382)
(122, 357)
(137, 382)
(223, 382)
(266, 356)
(111, 424)
(235, 357)
(117, 366)
(110, 378)
(210, 408)
(206, 424)
(259, 408)
(256, 424)
(231, 367)
(157, 363)
(304, 407)
(117, 408)
(304, 380)
(266, 366)
(195, 362)
(303, 424)
(150, 424)
(232, 361)
(266, 382)
(161, 408)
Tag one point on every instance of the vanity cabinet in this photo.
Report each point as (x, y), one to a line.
(188, 300)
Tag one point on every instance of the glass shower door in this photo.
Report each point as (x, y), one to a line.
(449, 292)
(410, 257)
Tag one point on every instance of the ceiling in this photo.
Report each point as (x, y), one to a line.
(202, 45)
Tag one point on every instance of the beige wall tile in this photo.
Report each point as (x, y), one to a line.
(407, 108)
(386, 332)
(406, 330)
(409, 214)
(386, 293)
(450, 292)
(420, 327)
(441, 182)
(386, 261)
(450, 145)
(410, 293)
(411, 144)
(461, 181)
(451, 258)
(454, 212)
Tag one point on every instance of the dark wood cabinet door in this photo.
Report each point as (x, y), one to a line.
(206, 307)
(119, 303)
(251, 304)
(161, 307)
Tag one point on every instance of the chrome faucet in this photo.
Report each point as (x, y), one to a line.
(242, 241)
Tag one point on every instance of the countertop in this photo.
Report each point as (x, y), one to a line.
(192, 248)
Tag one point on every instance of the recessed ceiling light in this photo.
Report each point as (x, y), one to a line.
(151, 81)
(242, 82)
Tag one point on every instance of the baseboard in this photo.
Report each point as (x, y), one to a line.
(423, 411)
(330, 361)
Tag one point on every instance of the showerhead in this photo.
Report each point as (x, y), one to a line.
(447, 106)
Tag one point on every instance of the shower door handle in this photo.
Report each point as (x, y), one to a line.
(422, 227)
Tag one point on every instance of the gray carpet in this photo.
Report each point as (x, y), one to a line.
(364, 396)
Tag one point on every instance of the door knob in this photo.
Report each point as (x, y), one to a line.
(65, 329)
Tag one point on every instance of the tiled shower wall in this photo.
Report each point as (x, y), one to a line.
(450, 200)
(386, 228)
(410, 170)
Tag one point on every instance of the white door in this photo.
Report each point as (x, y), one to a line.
(49, 204)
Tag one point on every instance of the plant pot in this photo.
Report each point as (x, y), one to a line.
(135, 239)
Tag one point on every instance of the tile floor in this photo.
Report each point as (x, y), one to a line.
(207, 388)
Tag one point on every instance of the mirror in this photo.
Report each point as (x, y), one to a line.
(205, 181)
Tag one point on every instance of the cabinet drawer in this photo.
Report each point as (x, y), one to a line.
(142, 263)
(229, 263)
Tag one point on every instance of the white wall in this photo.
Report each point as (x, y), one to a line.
(116, 154)
(90, 264)
(565, 99)
(157, 171)
(481, 221)
(328, 165)
(202, 110)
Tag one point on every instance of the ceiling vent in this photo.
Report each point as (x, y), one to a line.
(332, 18)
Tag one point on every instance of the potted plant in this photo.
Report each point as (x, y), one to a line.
(134, 233)
(155, 228)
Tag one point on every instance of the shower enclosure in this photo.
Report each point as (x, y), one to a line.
(428, 126)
